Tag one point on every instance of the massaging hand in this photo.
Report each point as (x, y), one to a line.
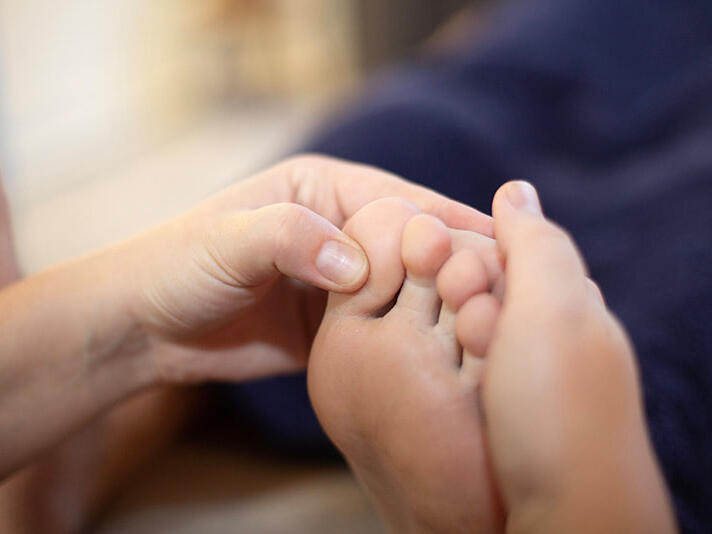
(200, 297)
(209, 286)
(567, 435)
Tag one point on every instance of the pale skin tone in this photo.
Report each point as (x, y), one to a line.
(183, 342)
(565, 421)
(388, 387)
(170, 306)
(532, 424)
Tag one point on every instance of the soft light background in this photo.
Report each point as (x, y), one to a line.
(116, 114)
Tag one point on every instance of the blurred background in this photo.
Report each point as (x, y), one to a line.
(115, 114)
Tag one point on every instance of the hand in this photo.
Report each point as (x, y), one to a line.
(568, 441)
(195, 276)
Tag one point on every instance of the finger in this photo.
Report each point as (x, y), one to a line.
(256, 246)
(454, 214)
(337, 189)
(365, 184)
(543, 266)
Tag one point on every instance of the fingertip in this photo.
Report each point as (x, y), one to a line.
(292, 240)
(523, 197)
(343, 263)
(513, 201)
(518, 195)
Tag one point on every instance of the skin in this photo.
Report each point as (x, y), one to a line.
(537, 471)
(487, 437)
(572, 363)
(386, 380)
(170, 305)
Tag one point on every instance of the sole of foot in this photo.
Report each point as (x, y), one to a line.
(390, 383)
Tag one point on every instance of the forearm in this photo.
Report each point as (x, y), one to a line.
(68, 350)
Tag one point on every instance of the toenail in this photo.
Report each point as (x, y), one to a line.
(523, 196)
(340, 263)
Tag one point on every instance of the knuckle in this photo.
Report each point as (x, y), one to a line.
(288, 218)
(289, 221)
(216, 255)
(306, 174)
(305, 167)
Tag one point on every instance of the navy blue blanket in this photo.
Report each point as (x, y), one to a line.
(607, 107)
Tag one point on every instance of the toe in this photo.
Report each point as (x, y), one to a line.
(463, 276)
(472, 368)
(378, 228)
(475, 323)
(484, 247)
(425, 248)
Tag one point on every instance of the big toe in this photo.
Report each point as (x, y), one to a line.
(378, 228)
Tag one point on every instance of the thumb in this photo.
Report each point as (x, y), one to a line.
(543, 265)
(258, 245)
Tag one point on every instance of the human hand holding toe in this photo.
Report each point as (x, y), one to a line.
(197, 275)
(168, 306)
(565, 425)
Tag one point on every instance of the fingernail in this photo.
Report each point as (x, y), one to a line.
(522, 196)
(340, 263)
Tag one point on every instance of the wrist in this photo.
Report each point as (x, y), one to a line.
(70, 351)
(117, 341)
(114, 360)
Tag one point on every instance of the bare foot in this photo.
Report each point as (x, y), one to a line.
(390, 384)
(565, 421)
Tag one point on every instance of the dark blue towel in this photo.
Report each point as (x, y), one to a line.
(607, 107)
